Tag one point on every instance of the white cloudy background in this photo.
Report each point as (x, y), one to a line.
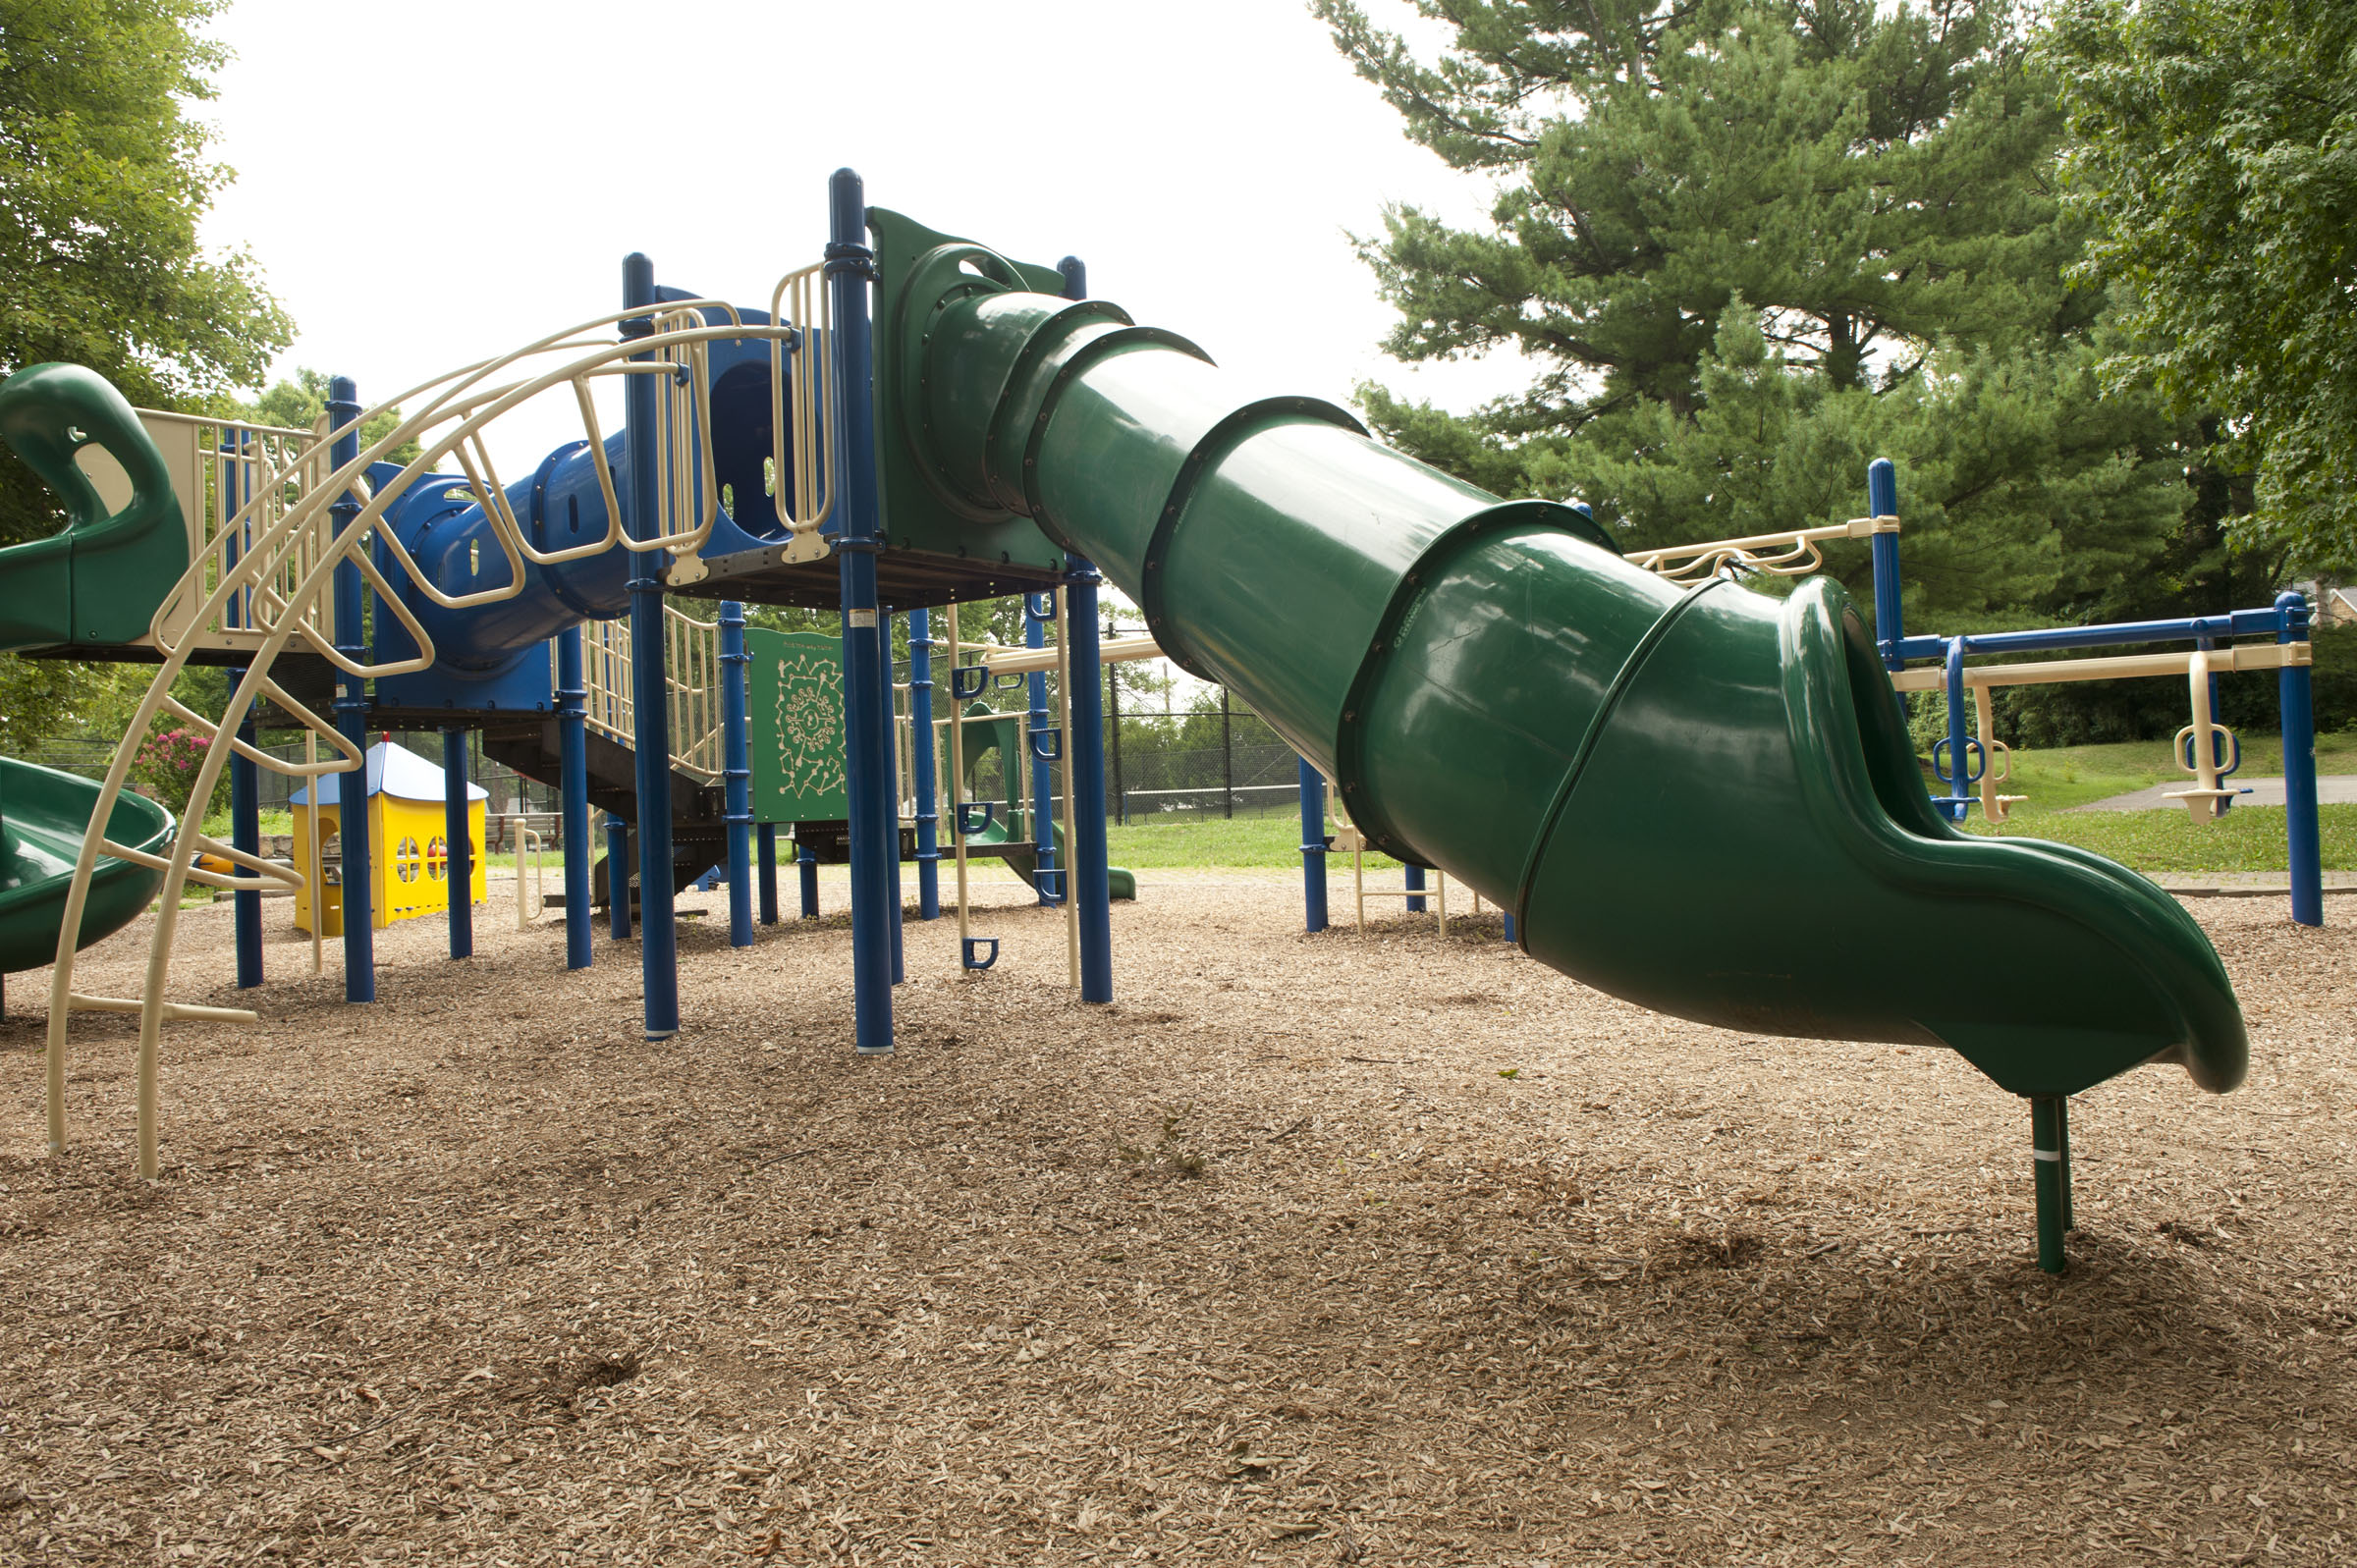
(429, 183)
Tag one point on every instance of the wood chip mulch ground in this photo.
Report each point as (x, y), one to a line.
(1310, 1250)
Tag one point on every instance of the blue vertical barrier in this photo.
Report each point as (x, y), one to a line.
(618, 877)
(889, 809)
(849, 268)
(805, 864)
(651, 720)
(1416, 903)
(2295, 698)
(460, 861)
(573, 781)
(351, 714)
(246, 836)
(769, 873)
(737, 743)
(927, 785)
(1882, 501)
(1313, 847)
(1086, 883)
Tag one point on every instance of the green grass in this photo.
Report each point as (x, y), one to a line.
(2250, 838)
(1266, 839)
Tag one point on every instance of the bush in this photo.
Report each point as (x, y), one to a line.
(167, 764)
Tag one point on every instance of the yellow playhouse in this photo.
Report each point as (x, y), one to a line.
(409, 856)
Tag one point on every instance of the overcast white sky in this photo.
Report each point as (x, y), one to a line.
(429, 183)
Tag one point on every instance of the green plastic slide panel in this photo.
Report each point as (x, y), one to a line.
(44, 815)
(99, 580)
(795, 732)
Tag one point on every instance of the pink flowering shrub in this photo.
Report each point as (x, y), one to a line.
(166, 766)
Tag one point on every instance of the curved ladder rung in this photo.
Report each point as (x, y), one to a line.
(173, 1011)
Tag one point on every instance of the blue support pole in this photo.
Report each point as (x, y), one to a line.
(460, 861)
(650, 720)
(736, 743)
(1509, 927)
(351, 714)
(1043, 790)
(1086, 881)
(246, 836)
(888, 807)
(1882, 501)
(1313, 847)
(573, 781)
(805, 864)
(2297, 700)
(928, 796)
(769, 873)
(618, 878)
(1085, 878)
(850, 267)
(1958, 799)
(1415, 885)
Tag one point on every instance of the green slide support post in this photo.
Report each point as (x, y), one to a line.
(1701, 799)
(100, 579)
(2050, 1146)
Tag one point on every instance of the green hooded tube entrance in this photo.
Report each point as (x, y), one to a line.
(1701, 799)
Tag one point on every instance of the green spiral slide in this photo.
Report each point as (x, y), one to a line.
(95, 582)
(1701, 799)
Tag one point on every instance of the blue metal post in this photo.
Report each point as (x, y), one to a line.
(651, 717)
(618, 878)
(805, 864)
(1415, 882)
(1085, 878)
(1959, 767)
(1509, 927)
(735, 722)
(1313, 847)
(2297, 703)
(246, 836)
(351, 714)
(849, 266)
(1084, 751)
(769, 873)
(459, 862)
(1043, 793)
(1882, 501)
(573, 780)
(888, 807)
(920, 735)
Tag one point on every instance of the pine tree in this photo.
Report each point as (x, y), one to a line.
(1754, 245)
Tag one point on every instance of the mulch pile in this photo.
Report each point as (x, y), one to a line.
(1310, 1250)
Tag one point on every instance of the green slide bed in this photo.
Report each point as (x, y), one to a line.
(43, 814)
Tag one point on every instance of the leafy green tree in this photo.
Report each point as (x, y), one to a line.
(103, 178)
(2216, 154)
(1752, 245)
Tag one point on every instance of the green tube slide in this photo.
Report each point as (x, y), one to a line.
(43, 814)
(96, 581)
(1700, 800)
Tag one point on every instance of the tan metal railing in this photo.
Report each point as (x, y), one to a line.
(691, 671)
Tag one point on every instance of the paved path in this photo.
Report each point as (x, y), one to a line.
(2244, 884)
(2331, 789)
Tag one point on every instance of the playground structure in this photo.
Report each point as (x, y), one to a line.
(1494, 690)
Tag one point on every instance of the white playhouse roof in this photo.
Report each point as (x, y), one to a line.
(393, 771)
